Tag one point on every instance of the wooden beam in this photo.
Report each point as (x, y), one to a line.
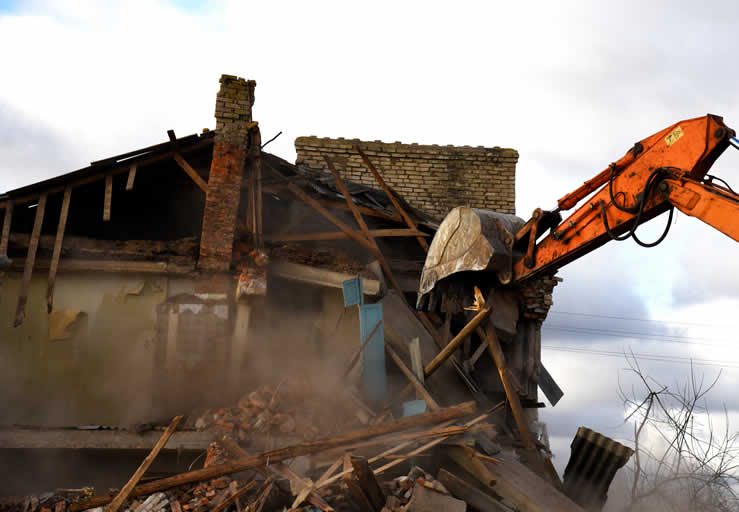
(227, 502)
(126, 491)
(338, 235)
(456, 341)
(488, 333)
(20, 310)
(331, 217)
(91, 247)
(516, 483)
(349, 202)
(200, 182)
(57, 248)
(420, 388)
(289, 452)
(365, 231)
(391, 196)
(131, 177)
(108, 196)
(356, 493)
(279, 469)
(114, 266)
(319, 276)
(114, 169)
(414, 350)
(7, 219)
(368, 483)
(339, 205)
(469, 493)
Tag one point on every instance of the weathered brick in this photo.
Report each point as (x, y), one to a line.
(224, 181)
(432, 178)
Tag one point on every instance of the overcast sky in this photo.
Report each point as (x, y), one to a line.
(570, 85)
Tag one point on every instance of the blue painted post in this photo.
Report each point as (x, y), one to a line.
(353, 293)
(373, 374)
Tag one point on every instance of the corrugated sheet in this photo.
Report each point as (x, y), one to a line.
(593, 463)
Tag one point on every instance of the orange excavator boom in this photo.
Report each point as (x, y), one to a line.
(663, 171)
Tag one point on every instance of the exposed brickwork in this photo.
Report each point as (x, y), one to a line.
(536, 297)
(233, 117)
(434, 179)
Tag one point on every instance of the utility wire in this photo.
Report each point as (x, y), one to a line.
(665, 338)
(639, 319)
(646, 357)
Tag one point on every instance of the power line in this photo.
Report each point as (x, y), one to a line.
(666, 338)
(639, 319)
(647, 357)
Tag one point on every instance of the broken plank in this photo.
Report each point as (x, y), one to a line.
(456, 341)
(280, 454)
(123, 249)
(549, 386)
(368, 483)
(131, 178)
(319, 276)
(124, 493)
(20, 310)
(356, 493)
(488, 333)
(414, 349)
(57, 248)
(108, 196)
(116, 266)
(430, 500)
(469, 493)
(234, 497)
(417, 384)
(200, 182)
(280, 469)
(527, 490)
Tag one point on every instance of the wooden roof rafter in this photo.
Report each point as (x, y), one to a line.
(99, 170)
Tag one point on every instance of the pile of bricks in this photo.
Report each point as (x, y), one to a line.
(432, 178)
(256, 412)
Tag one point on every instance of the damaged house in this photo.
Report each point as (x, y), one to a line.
(176, 278)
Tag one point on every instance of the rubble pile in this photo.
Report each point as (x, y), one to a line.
(292, 409)
(327, 473)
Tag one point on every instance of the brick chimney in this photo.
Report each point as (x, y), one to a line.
(233, 118)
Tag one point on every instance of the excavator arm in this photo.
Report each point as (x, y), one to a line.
(665, 171)
(660, 172)
(716, 206)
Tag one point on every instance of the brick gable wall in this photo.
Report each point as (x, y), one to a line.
(433, 179)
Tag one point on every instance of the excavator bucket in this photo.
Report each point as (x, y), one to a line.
(470, 239)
